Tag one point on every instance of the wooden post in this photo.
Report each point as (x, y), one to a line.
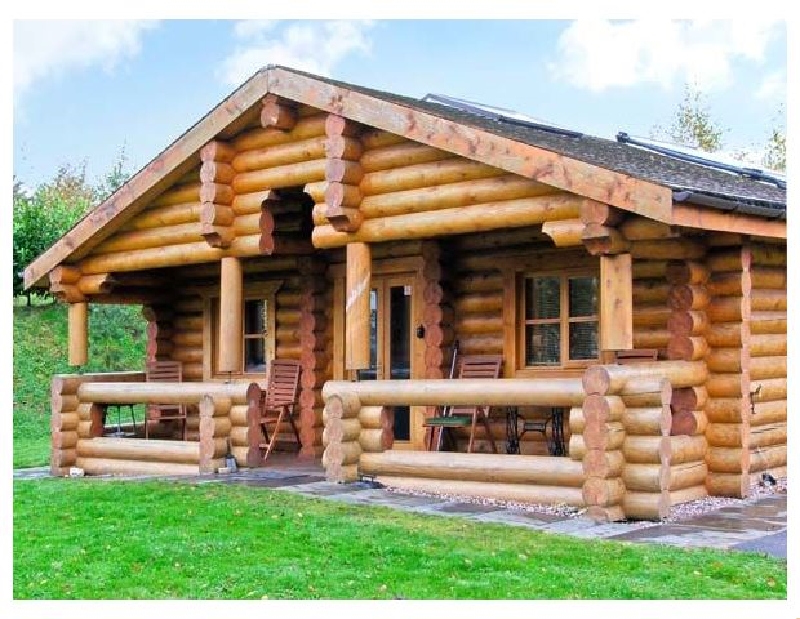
(616, 302)
(230, 315)
(357, 323)
(78, 327)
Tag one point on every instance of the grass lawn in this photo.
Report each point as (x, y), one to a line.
(92, 539)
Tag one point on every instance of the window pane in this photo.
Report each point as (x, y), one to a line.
(542, 298)
(583, 340)
(582, 296)
(255, 317)
(255, 355)
(543, 344)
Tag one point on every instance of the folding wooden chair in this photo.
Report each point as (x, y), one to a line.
(279, 402)
(164, 372)
(474, 366)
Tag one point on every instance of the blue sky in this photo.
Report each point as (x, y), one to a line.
(85, 90)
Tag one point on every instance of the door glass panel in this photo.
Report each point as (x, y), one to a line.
(372, 372)
(400, 352)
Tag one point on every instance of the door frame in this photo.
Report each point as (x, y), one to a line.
(408, 270)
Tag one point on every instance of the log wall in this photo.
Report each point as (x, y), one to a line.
(768, 375)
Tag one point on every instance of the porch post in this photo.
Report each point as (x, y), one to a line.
(359, 273)
(616, 302)
(230, 315)
(78, 328)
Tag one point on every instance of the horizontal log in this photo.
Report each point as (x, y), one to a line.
(727, 484)
(687, 449)
(650, 292)
(604, 437)
(113, 466)
(725, 309)
(375, 441)
(655, 421)
(479, 303)
(171, 255)
(769, 255)
(576, 447)
(667, 249)
(610, 379)
(491, 490)
(727, 459)
(727, 434)
(762, 368)
(643, 229)
(400, 155)
(280, 176)
(768, 300)
(304, 129)
(473, 218)
(768, 390)
(374, 417)
(67, 384)
(565, 232)
(181, 452)
(161, 393)
(765, 413)
(426, 175)
(646, 505)
(647, 393)
(689, 398)
(725, 259)
(280, 154)
(646, 449)
(768, 323)
(767, 345)
(767, 458)
(766, 435)
(181, 194)
(727, 284)
(534, 470)
(653, 338)
(649, 269)
(64, 440)
(655, 478)
(686, 495)
(688, 297)
(644, 316)
(768, 277)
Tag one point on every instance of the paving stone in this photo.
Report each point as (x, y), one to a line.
(468, 508)
(569, 525)
(730, 523)
(774, 545)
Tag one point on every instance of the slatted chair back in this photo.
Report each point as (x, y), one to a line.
(165, 372)
(284, 381)
(477, 366)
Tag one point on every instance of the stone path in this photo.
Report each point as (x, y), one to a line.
(759, 524)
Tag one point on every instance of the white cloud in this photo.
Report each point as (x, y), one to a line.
(51, 48)
(600, 54)
(313, 46)
(773, 87)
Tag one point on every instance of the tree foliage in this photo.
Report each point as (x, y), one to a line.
(43, 216)
(692, 123)
(775, 149)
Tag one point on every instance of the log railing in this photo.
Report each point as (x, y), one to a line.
(624, 463)
(217, 403)
(355, 414)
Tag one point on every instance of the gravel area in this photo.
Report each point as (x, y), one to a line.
(680, 512)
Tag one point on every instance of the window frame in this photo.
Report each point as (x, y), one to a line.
(564, 320)
(253, 291)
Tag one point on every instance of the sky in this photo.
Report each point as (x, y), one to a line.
(85, 91)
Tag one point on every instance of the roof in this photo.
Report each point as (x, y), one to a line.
(598, 169)
(664, 170)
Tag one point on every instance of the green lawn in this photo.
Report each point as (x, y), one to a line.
(116, 342)
(100, 539)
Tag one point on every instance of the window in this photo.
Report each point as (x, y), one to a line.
(560, 319)
(258, 329)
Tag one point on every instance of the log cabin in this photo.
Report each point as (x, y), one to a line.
(638, 293)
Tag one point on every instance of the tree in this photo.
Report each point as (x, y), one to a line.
(54, 207)
(775, 149)
(692, 124)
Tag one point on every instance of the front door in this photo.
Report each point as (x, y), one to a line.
(391, 343)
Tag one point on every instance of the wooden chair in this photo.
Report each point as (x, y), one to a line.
(474, 366)
(164, 372)
(279, 403)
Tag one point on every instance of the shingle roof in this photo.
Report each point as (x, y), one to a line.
(664, 170)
